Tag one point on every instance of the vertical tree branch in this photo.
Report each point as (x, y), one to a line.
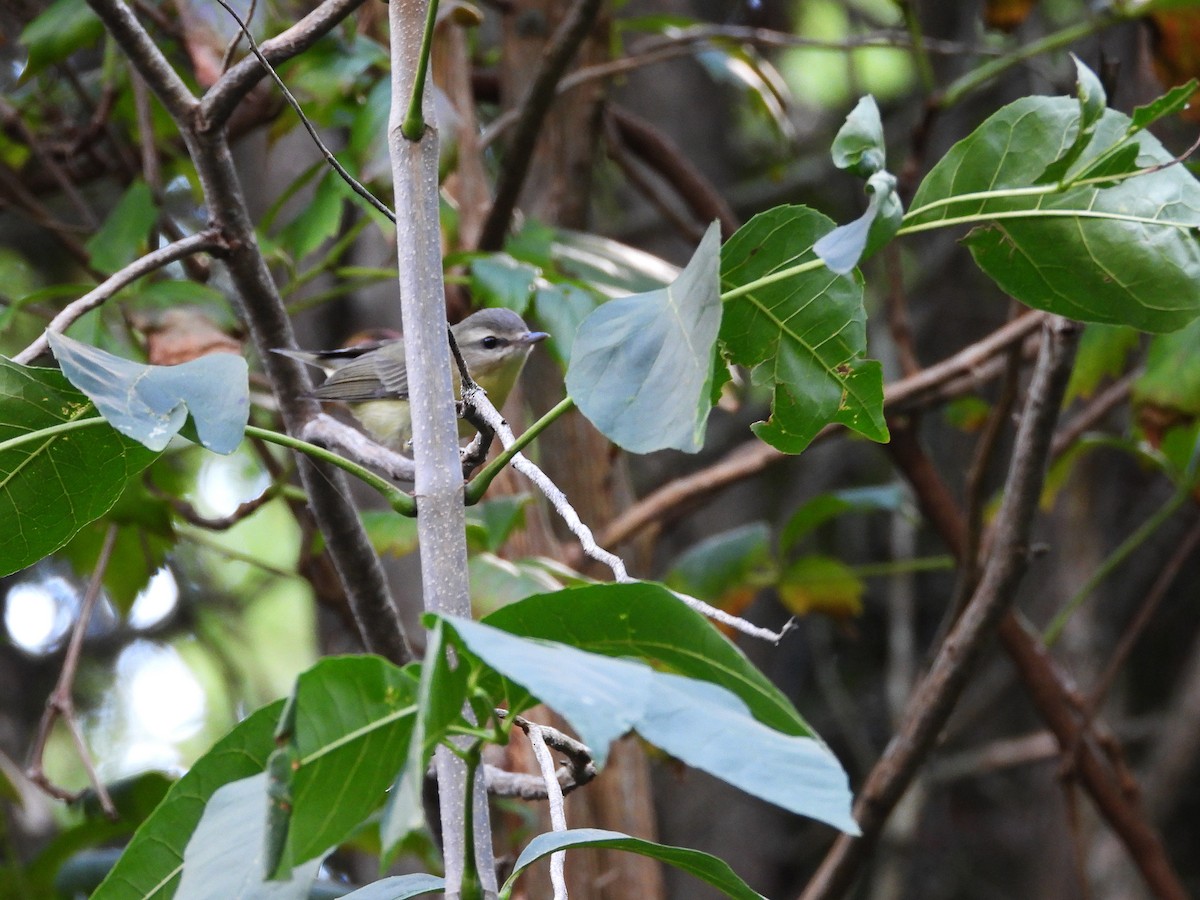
(438, 486)
(936, 696)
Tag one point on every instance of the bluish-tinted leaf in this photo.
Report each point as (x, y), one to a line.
(52, 486)
(151, 403)
(803, 335)
(710, 869)
(64, 27)
(612, 268)
(150, 867)
(645, 621)
(847, 245)
(225, 856)
(1126, 254)
(858, 146)
(398, 887)
(641, 366)
(499, 280)
(604, 698)
(560, 309)
(123, 235)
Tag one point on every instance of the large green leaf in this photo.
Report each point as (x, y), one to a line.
(225, 857)
(647, 621)
(150, 867)
(1121, 251)
(642, 366)
(126, 230)
(1172, 376)
(52, 484)
(345, 736)
(710, 869)
(698, 722)
(151, 403)
(800, 328)
(63, 28)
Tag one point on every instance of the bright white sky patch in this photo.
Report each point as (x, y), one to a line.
(37, 614)
(155, 601)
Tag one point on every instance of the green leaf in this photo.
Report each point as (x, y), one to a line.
(441, 693)
(53, 484)
(692, 720)
(709, 869)
(821, 584)
(225, 856)
(847, 245)
(398, 887)
(1172, 376)
(1125, 254)
(493, 521)
(499, 280)
(151, 403)
(317, 222)
(641, 366)
(858, 146)
(150, 867)
(1103, 352)
(1092, 100)
(64, 27)
(389, 533)
(352, 721)
(1173, 102)
(123, 235)
(721, 567)
(802, 333)
(612, 268)
(646, 621)
(497, 582)
(825, 507)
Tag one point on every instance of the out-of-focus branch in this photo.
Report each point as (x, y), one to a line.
(1050, 690)
(936, 696)
(60, 703)
(533, 108)
(203, 242)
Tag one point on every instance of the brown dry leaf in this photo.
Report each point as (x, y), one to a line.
(1175, 51)
(1006, 15)
(180, 335)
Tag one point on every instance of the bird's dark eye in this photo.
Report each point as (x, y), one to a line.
(490, 342)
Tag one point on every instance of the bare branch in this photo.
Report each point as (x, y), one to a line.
(60, 702)
(533, 108)
(219, 103)
(935, 697)
(203, 242)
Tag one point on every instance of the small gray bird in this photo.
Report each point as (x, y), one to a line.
(373, 380)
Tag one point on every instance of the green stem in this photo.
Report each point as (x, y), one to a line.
(978, 77)
(414, 121)
(207, 541)
(904, 566)
(396, 498)
(781, 275)
(42, 433)
(920, 54)
(472, 888)
(478, 485)
(1042, 213)
(1118, 556)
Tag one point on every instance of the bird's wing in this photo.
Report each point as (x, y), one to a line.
(375, 376)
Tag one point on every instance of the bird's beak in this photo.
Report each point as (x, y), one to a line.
(533, 337)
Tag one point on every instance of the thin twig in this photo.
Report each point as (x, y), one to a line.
(533, 108)
(936, 696)
(227, 58)
(60, 702)
(554, 796)
(202, 242)
(355, 185)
